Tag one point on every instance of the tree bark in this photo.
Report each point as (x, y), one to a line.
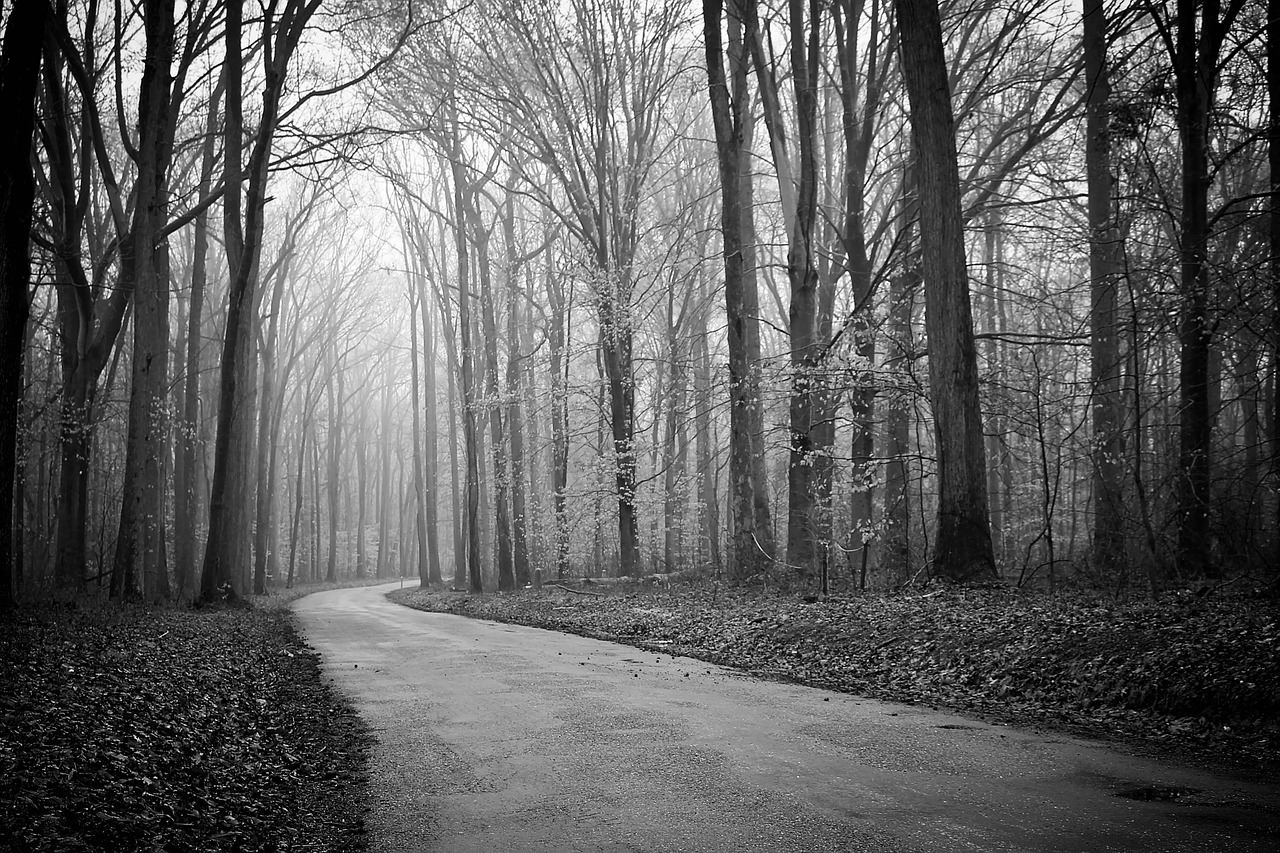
(752, 543)
(19, 77)
(557, 346)
(419, 485)
(186, 495)
(1195, 64)
(227, 553)
(1104, 274)
(858, 126)
(963, 544)
(140, 561)
(1273, 159)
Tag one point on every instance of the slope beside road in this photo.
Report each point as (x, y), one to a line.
(495, 737)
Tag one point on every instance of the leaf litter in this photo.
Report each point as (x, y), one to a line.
(129, 728)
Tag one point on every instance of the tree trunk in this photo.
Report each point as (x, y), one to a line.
(557, 345)
(140, 564)
(264, 528)
(1195, 72)
(858, 128)
(493, 392)
(227, 553)
(515, 425)
(471, 510)
(431, 471)
(186, 493)
(419, 485)
(677, 450)
(752, 528)
(704, 394)
(387, 506)
(23, 36)
(1104, 274)
(362, 491)
(1273, 159)
(963, 545)
(337, 397)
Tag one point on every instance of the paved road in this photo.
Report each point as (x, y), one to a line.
(496, 738)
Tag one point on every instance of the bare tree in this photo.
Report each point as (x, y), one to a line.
(963, 550)
(752, 526)
(226, 557)
(1104, 274)
(19, 77)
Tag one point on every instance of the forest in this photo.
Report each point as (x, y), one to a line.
(921, 350)
(614, 288)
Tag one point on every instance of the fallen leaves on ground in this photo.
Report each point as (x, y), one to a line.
(1196, 674)
(135, 728)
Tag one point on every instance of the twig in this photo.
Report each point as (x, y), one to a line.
(574, 591)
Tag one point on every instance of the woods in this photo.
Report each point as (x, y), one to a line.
(827, 295)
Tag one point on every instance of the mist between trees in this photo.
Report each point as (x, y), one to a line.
(602, 287)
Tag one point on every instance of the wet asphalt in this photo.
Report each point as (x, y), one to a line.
(498, 738)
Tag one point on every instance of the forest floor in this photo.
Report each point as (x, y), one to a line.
(1194, 677)
(126, 727)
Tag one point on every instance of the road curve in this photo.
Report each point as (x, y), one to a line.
(498, 738)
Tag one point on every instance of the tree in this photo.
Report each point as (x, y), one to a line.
(1194, 41)
(963, 550)
(141, 561)
(19, 76)
(585, 99)
(752, 527)
(1104, 275)
(226, 556)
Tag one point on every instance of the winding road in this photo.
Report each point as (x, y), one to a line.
(498, 738)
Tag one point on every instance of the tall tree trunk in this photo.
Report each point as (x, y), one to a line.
(803, 524)
(471, 510)
(419, 485)
(386, 500)
(704, 394)
(895, 555)
(1104, 274)
(963, 550)
(858, 126)
(186, 493)
(140, 564)
(454, 371)
(431, 470)
(88, 328)
(1273, 159)
(497, 429)
(515, 425)
(677, 456)
(337, 399)
(227, 553)
(298, 493)
(362, 491)
(557, 345)
(19, 76)
(264, 528)
(1195, 423)
(752, 528)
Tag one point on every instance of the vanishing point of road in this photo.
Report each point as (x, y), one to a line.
(497, 738)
